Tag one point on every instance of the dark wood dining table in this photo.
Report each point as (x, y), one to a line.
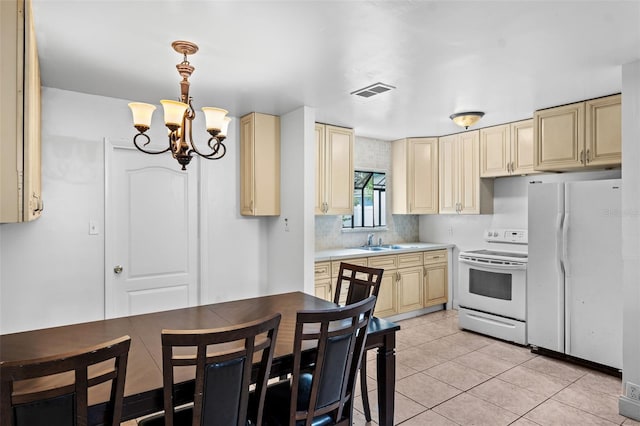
(143, 388)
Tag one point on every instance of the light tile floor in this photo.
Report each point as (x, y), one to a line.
(447, 376)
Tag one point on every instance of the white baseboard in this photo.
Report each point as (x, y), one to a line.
(629, 407)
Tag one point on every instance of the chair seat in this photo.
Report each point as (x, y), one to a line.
(183, 417)
(278, 399)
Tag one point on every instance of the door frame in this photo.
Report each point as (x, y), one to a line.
(202, 270)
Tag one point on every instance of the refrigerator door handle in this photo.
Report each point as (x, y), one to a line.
(565, 245)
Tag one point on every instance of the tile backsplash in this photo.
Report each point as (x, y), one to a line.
(374, 155)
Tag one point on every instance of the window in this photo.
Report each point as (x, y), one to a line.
(369, 201)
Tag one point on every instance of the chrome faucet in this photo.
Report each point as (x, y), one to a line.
(370, 239)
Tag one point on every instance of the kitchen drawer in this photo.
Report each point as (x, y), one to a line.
(322, 270)
(384, 262)
(435, 256)
(407, 260)
(335, 266)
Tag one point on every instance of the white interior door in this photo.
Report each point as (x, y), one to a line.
(151, 244)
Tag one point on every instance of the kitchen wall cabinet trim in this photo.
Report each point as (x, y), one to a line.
(20, 162)
(415, 176)
(259, 165)
(334, 170)
(579, 135)
(461, 189)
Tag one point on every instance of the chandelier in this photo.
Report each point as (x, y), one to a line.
(178, 117)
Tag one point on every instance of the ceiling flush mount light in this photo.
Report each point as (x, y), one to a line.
(178, 117)
(466, 119)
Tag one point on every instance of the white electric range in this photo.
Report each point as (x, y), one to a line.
(492, 287)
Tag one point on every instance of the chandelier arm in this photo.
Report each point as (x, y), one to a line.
(135, 142)
(215, 154)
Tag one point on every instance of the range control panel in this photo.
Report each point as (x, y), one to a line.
(514, 236)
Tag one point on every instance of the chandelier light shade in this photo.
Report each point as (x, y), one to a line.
(466, 119)
(178, 117)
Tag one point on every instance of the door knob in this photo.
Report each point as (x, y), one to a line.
(117, 269)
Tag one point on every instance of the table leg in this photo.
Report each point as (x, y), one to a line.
(386, 366)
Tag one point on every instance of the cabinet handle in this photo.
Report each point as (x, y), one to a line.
(251, 207)
(588, 156)
(512, 168)
(582, 157)
(397, 276)
(509, 168)
(330, 288)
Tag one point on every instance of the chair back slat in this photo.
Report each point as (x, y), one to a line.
(360, 281)
(224, 360)
(65, 404)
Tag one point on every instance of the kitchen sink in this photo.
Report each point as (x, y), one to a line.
(373, 248)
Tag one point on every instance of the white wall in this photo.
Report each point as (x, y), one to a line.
(631, 234)
(51, 270)
(291, 252)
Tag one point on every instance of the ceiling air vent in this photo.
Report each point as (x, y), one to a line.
(372, 90)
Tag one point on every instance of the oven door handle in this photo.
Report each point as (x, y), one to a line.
(516, 266)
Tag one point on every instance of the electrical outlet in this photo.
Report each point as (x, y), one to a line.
(633, 391)
(450, 231)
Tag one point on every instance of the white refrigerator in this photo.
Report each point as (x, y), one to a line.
(574, 274)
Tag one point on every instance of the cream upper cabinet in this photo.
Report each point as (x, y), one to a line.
(415, 176)
(461, 189)
(583, 134)
(20, 162)
(334, 170)
(507, 149)
(259, 165)
(603, 131)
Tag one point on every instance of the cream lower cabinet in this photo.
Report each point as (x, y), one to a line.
(507, 149)
(436, 278)
(20, 161)
(461, 189)
(259, 165)
(579, 135)
(410, 281)
(334, 170)
(415, 176)
(387, 303)
(322, 278)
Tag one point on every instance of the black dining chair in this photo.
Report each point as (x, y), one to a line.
(327, 351)
(51, 400)
(359, 282)
(223, 359)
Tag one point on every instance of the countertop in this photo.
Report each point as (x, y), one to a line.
(350, 253)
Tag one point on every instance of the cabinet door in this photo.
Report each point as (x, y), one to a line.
(435, 284)
(522, 147)
(323, 290)
(260, 165)
(320, 172)
(495, 151)
(410, 289)
(386, 303)
(423, 176)
(339, 170)
(247, 137)
(603, 131)
(559, 137)
(448, 174)
(469, 173)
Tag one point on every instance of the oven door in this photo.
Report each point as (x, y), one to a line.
(494, 288)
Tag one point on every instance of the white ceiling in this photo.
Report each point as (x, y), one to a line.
(506, 58)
